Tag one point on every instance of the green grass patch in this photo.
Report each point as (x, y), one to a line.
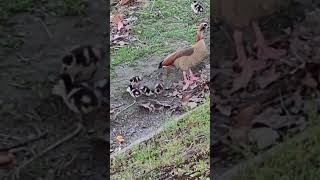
(162, 26)
(73, 7)
(181, 149)
(11, 42)
(296, 159)
(9, 8)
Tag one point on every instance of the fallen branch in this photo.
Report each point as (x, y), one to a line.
(15, 173)
(115, 116)
(46, 28)
(24, 143)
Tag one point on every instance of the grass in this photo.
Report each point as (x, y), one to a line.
(161, 30)
(9, 8)
(73, 7)
(296, 160)
(11, 42)
(181, 149)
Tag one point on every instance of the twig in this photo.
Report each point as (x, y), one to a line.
(23, 59)
(46, 28)
(10, 137)
(15, 173)
(115, 116)
(115, 107)
(282, 103)
(24, 143)
(162, 102)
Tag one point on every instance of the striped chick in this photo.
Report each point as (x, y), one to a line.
(84, 63)
(79, 98)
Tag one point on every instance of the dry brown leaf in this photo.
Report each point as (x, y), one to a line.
(185, 99)
(269, 77)
(242, 80)
(192, 124)
(7, 160)
(120, 139)
(243, 121)
(124, 2)
(246, 115)
(118, 21)
(309, 81)
(248, 69)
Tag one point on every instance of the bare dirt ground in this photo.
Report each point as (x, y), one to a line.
(29, 110)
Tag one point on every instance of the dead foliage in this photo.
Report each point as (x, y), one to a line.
(269, 99)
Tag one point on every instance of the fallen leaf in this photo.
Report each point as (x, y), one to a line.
(7, 160)
(248, 69)
(245, 116)
(263, 137)
(118, 20)
(309, 81)
(268, 78)
(120, 139)
(185, 99)
(124, 2)
(174, 93)
(242, 80)
(192, 105)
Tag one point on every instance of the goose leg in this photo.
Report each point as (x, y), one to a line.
(186, 81)
(192, 76)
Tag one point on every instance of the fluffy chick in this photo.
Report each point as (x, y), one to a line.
(135, 81)
(146, 90)
(134, 92)
(159, 87)
(79, 97)
(196, 7)
(84, 63)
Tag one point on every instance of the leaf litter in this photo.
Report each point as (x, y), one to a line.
(120, 27)
(268, 100)
(172, 101)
